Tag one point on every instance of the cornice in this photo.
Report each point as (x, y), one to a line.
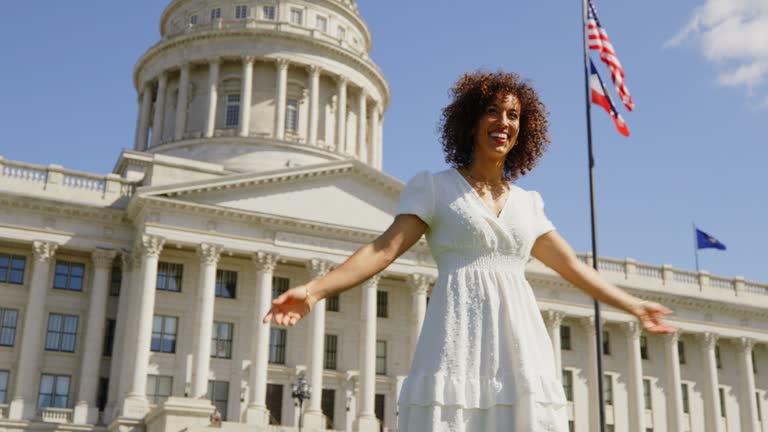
(369, 68)
(64, 208)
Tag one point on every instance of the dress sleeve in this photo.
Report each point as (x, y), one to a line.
(418, 197)
(542, 224)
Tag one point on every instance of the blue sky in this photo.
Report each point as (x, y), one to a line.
(696, 69)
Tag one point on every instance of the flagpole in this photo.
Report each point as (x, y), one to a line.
(695, 246)
(591, 161)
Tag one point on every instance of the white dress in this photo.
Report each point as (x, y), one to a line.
(484, 360)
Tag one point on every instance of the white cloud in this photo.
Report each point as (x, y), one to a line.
(734, 35)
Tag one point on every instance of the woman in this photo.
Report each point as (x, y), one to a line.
(484, 361)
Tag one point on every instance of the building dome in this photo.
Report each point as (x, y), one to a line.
(257, 85)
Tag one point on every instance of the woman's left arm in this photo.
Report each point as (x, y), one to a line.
(552, 250)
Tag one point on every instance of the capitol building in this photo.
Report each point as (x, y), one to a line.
(132, 301)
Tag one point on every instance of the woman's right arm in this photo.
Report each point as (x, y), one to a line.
(291, 306)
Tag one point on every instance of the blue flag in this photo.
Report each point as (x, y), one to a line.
(704, 240)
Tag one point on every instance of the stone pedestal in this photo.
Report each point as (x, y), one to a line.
(257, 415)
(176, 414)
(366, 424)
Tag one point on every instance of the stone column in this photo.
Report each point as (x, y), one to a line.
(181, 103)
(588, 325)
(419, 285)
(314, 103)
(711, 382)
(206, 297)
(86, 411)
(280, 98)
(373, 157)
(116, 364)
(245, 96)
(257, 413)
(135, 404)
(350, 386)
(362, 126)
(748, 403)
(157, 122)
(131, 328)
(313, 416)
(341, 114)
(142, 131)
(553, 319)
(366, 420)
(675, 416)
(380, 147)
(633, 330)
(213, 95)
(24, 400)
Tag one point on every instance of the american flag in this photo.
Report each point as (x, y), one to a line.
(601, 97)
(598, 40)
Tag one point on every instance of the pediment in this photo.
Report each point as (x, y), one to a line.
(344, 193)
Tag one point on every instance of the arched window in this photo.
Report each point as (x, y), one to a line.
(292, 115)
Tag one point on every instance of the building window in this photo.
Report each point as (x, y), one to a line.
(568, 384)
(721, 392)
(647, 392)
(606, 343)
(331, 342)
(54, 391)
(164, 334)
(12, 269)
(321, 23)
(269, 13)
(292, 115)
(378, 409)
(62, 333)
(297, 16)
(609, 428)
(608, 389)
(8, 326)
(226, 283)
(717, 357)
(102, 393)
(341, 33)
(686, 403)
(69, 276)
(215, 13)
(382, 304)
(643, 347)
(233, 110)
(681, 352)
(275, 403)
(241, 12)
(193, 20)
(381, 357)
(4, 375)
(571, 426)
(279, 286)
(565, 337)
(327, 405)
(218, 393)
(221, 343)
(116, 279)
(277, 346)
(158, 388)
(109, 338)
(169, 276)
(332, 303)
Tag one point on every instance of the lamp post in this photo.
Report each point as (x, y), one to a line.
(301, 391)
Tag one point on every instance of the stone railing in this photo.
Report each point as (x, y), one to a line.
(53, 181)
(665, 275)
(55, 415)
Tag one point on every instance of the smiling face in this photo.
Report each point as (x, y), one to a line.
(496, 130)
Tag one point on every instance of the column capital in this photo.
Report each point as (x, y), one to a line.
(588, 324)
(671, 338)
(319, 268)
(314, 70)
(633, 329)
(373, 281)
(43, 251)
(103, 258)
(708, 339)
(419, 283)
(126, 258)
(213, 60)
(265, 261)
(185, 65)
(745, 344)
(282, 62)
(248, 59)
(553, 318)
(162, 78)
(209, 253)
(150, 246)
(342, 81)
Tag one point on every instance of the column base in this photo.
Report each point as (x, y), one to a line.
(124, 424)
(366, 423)
(19, 410)
(314, 421)
(135, 406)
(83, 414)
(257, 415)
(177, 414)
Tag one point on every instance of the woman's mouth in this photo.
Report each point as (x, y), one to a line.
(499, 137)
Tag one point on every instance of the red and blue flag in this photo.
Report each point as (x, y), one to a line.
(601, 97)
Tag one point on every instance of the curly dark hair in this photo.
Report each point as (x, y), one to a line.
(471, 95)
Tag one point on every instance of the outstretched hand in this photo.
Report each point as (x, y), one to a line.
(291, 306)
(650, 315)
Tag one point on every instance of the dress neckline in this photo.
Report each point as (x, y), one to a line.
(480, 200)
